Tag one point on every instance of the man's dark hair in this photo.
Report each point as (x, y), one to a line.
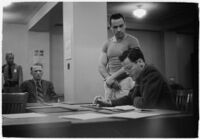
(116, 16)
(133, 54)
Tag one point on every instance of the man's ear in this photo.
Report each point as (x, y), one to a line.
(31, 73)
(111, 28)
(140, 61)
(124, 25)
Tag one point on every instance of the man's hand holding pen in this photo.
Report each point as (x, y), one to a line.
(101, 102)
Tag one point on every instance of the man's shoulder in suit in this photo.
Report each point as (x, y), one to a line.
(28, 81)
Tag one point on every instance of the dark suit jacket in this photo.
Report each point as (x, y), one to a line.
(151, 91)
(17, 75)
(48, 90)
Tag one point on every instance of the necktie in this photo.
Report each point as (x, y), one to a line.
(40, 95)
(9, 72)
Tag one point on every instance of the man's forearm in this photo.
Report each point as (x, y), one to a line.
(103, 72)
(125, 100)
(116, 74)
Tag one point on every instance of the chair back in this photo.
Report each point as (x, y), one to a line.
(184, 99)
(14, 102)
(11, 89)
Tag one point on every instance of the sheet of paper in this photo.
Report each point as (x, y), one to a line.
(125, 108)
(37, 104)
(136, 114)
(23, 115)
(70, 107)
(86, 116)
(65, 106)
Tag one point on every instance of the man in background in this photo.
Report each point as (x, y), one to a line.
(12, 74)
(39, 90)
(110, 66)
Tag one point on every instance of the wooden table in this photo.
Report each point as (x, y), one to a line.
(168, 125)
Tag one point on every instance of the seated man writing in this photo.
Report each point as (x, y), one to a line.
(151, 89)
(39, 90)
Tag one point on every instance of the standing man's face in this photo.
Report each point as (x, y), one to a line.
(37, 72)
(10, 59)
(118, 28)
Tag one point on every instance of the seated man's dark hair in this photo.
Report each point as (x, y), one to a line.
(116, 16)
(133, 54)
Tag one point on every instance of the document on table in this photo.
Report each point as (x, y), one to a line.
(86, 116)
(72, 107)
(29, 105)
(137, 114)
(123, 108)
(23, 115)
(114, 109)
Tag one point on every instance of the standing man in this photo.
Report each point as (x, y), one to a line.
(39, 90)
(151, 89)
(12, 73)
(110, 66)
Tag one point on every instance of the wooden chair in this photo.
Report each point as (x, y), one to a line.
(184, 99)
(14, 102)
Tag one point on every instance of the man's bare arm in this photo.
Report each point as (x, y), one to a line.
(116, 74)
(102, 65)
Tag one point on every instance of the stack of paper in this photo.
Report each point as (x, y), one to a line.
(136, 114)
(122, 108)
(23, 115)
(86, 116)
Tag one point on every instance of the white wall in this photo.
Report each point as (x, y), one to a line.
(17, 39)
(68, 39)
(85, 32)
(39, 41)
(56, 60)
(90, 34)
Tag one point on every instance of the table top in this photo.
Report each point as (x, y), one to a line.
(45, 121)
(54, 116)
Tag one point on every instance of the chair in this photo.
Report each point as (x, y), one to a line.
(11, 89)
(14, 102)
(184, 99)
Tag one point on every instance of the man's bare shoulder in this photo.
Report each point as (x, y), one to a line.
(131, 37)
(133, 40)
(107, 44)
(110, 40)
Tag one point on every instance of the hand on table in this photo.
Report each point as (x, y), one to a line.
(100, 101)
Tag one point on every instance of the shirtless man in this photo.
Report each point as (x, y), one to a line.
(110, 66)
